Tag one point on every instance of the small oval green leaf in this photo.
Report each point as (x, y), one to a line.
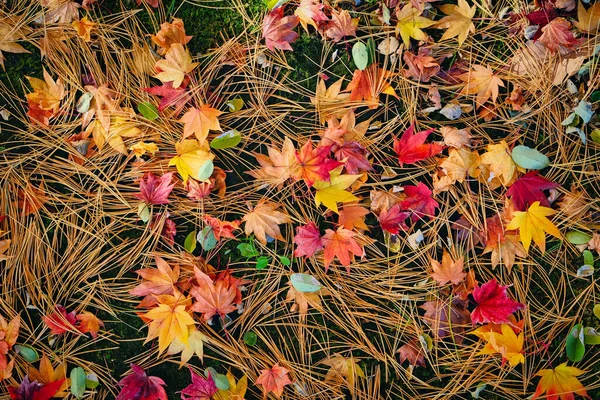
(220, 380)
(190, 242)
(250, 338)
(148, 110)
(226, 140)
(590, 336)
(576, 344)
(597, 311)
(143, 212)
(207, 239)
(577, 238)
(91, 381)
(247, 250)
(588, 257)
(78, 382)
(529, 158)
(28, 353)
(235, 104)
(285, 261)
(262, 262)
(305, 283)
(205, 170)
(360, 55)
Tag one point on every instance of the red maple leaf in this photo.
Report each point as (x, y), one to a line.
(308, 240)
(154, 190)
(169, 96)
(212, 298)
(232, 283)
(528, 189)
(354, 157)
(419, 201)
(200, 389)
(274, 380)
(277, 30)
(340, 244)
(139, 386)
(222, 229)
(393, 219)
(412, 148)
(368, 84)
(314, 164)
(28, 390)
(493, 304)
(60, 321)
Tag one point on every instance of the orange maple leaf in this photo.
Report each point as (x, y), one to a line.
(212, 298)
(340, 244)
(84, 28)
(560, 382)
(314, 164)
(369, 84)
(88, 322)
(277, 166)
(448, 270)
(48, 374)
(175, 66)
(199, 121)
(353, 216)
(274, 379)
(264, 220)
(161, 280)
(483, 82)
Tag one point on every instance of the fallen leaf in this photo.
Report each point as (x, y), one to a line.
(236, 391)
(201, 388)
(222, 229)
(330, 101)
(368, 84)
(331, 192)
(191, 158)
(48, 375)
(310, 12)
(176, 64)
(341, 26)
(274, 380)
(343, 370)
(560, 382)
(588, 20)
(503, 245)
(60, 321)
(411, 147)
(354, 157)
(278, 166)
(447, 318)
(393, 219)
(177, 97)
(8, 41)
(418, 201)
(212, 298)
(139, 386)
(313, 164)
(340, 244)
(168, 320)
(492, 304)
(410, 23)
(155, 190)
(199, 121)
(277, 30)
(558, 34)
(264, 220)
(483, 82)
(352, 216)
(307, 240)
(84, 28)
(505, 342)
(528, 189)
(88, 322)
(303, 300)
(501, 169)
(421, 67)
(28, 390)
(448, 271)
(533, 224)
(170, 33)
(458, 21)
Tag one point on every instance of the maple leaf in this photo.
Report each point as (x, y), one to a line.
(560, 382)
(501, 169)
(236, 391)
(88, 322)
(341, 26)
(410, 23)
(382, 200)
(419, 201)
(274, 380)
(493, 304)
(170, 96)
(44, 101)
(456, 167)
(528, 189)
(191, 158)
(176, 64)
(139, 386)
(84, 27)
(447, 318)
(104, 102)
(448, 271)
(506, 342)
(212, 298)
(199, 121)
(8, 41)
(9, 331)
(413, 352)
(313, 164)
(340, 244)
(308, 240)
(222, 229)
(60, 321)
(161, 280)
(368, 84)
(169, 320)
(277, 30)
(195, 345)
(169, 34)
(343, 369)
(533, 224)
(330, 101)
(264, 220)
(200, 389)
(352, 216)
(331, 192)
(278, 166)
(47, 375)
(483, 82)
(558, 34)
(122, 125)
(28, 390)
(393, 219)
(141, 148)
(458, 21)
(354, 156)
(309, 12)
(411, 147)
(422, 66)
(456, 138)
(503, 245)
(303, 300)
(588, 20)
(155, 190)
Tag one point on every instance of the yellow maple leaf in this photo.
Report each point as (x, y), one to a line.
(343, 369)
(47, 93)
(588, 20)
(84, 28)
(264, 220)
(497, 165)
(176, 64)
(193, 159)
(121, 126)
(169, 321)
(505, 342)
(560, 382)
(483, 82)
(410, 23)
(199, 121)
(236, 391)
(8, 40)
(333, 192)
(458, 21)
(47, 374)
(328, 101)
(455, 168)
(533, 224)
(195, 345)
